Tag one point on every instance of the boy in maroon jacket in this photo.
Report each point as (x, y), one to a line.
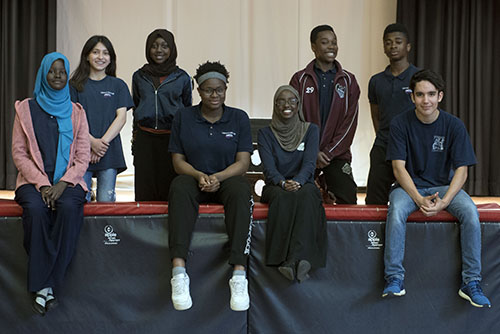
(330, 100)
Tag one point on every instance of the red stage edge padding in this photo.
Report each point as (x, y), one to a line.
(487, 212)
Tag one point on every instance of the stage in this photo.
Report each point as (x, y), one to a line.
(119, 280)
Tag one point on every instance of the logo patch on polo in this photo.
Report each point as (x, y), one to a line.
(438, 144)
(340, 90)
(229, 134)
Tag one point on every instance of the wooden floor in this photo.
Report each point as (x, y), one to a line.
(125, 192)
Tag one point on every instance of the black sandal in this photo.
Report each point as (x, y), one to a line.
(50, 303)
(38, 308)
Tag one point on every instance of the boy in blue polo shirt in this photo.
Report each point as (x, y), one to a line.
(430, 152)
(389, 96)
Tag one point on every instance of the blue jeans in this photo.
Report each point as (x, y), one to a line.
(462, 207)
(106, 182)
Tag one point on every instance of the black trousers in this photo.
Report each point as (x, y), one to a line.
(380, 177)
(340, 182)
(185, 196)
(50, 236)
(154, 171)
(296, 225)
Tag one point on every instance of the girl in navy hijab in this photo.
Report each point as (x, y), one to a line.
(51, 150)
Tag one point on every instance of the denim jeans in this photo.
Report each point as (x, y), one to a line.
(462, 207)
(106, 182)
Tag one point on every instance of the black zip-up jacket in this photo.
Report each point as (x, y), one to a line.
(155, 108)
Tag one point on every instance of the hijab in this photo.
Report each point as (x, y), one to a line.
(289, 132)
(58, 104)
(168, 66)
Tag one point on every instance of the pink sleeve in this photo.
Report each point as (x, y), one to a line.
(23, 159)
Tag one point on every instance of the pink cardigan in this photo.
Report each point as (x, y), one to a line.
(27, 156)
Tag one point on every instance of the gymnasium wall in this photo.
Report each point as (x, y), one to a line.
(261, 42)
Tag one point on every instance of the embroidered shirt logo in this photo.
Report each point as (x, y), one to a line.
(309, 90)
(438, 144)
(229, 134)
(107, 93)
(347, 169)
(374, 241)
(340, 90)
(110, 237)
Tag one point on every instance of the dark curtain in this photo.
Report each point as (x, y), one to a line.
(459, 39)
(28, 29)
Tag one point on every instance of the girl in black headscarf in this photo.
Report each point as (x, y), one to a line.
(159, 89)
(296, 227)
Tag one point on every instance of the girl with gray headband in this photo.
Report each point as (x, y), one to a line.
(210, 145)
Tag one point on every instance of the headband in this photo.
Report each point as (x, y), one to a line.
(211, 75)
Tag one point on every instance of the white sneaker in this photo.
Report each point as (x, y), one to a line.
(240, 301)
(180, 292)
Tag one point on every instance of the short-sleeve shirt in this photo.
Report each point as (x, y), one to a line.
(101, 99)
(392, 95)
(298, 165)
(210, 147)
(432, 151)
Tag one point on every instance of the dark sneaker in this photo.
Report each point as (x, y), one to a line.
(394, 287)
(474, 294)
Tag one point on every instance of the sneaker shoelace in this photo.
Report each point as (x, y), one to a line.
(475, 289)
(394, 282)
(179, 286)
(239, 287)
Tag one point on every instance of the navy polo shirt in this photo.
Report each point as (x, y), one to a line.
(392, 95)
(325, 89)
(210, 147)
(47, 135)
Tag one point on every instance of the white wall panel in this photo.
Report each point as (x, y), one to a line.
(262, 43)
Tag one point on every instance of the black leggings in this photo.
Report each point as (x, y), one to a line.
(184, 199)
(154, 171)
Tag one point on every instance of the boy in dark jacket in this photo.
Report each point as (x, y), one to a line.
(330, 100)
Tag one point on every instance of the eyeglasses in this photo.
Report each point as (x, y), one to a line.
(209, 91)
(283, 102)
